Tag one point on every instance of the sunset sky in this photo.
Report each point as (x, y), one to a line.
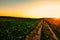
(30, 8)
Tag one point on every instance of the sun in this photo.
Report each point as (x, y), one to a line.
(56, 18)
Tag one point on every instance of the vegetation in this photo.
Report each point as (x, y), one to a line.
(16, 28)
(55, 28)
(46, 34)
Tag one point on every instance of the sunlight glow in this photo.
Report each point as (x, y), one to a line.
(57, 18)
(39, 9)
(50, 10)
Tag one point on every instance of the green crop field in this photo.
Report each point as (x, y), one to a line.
(16, 28)
(46, 34)
(56, 29)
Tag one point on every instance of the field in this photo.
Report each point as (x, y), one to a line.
(55, 28)
(16, 28)
(12, 28)
(46, 34)
(48, 30)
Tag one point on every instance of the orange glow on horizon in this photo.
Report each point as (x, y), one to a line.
(56, 18)
(39, 9)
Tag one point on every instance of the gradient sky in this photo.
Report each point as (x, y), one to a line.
(30, 8)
